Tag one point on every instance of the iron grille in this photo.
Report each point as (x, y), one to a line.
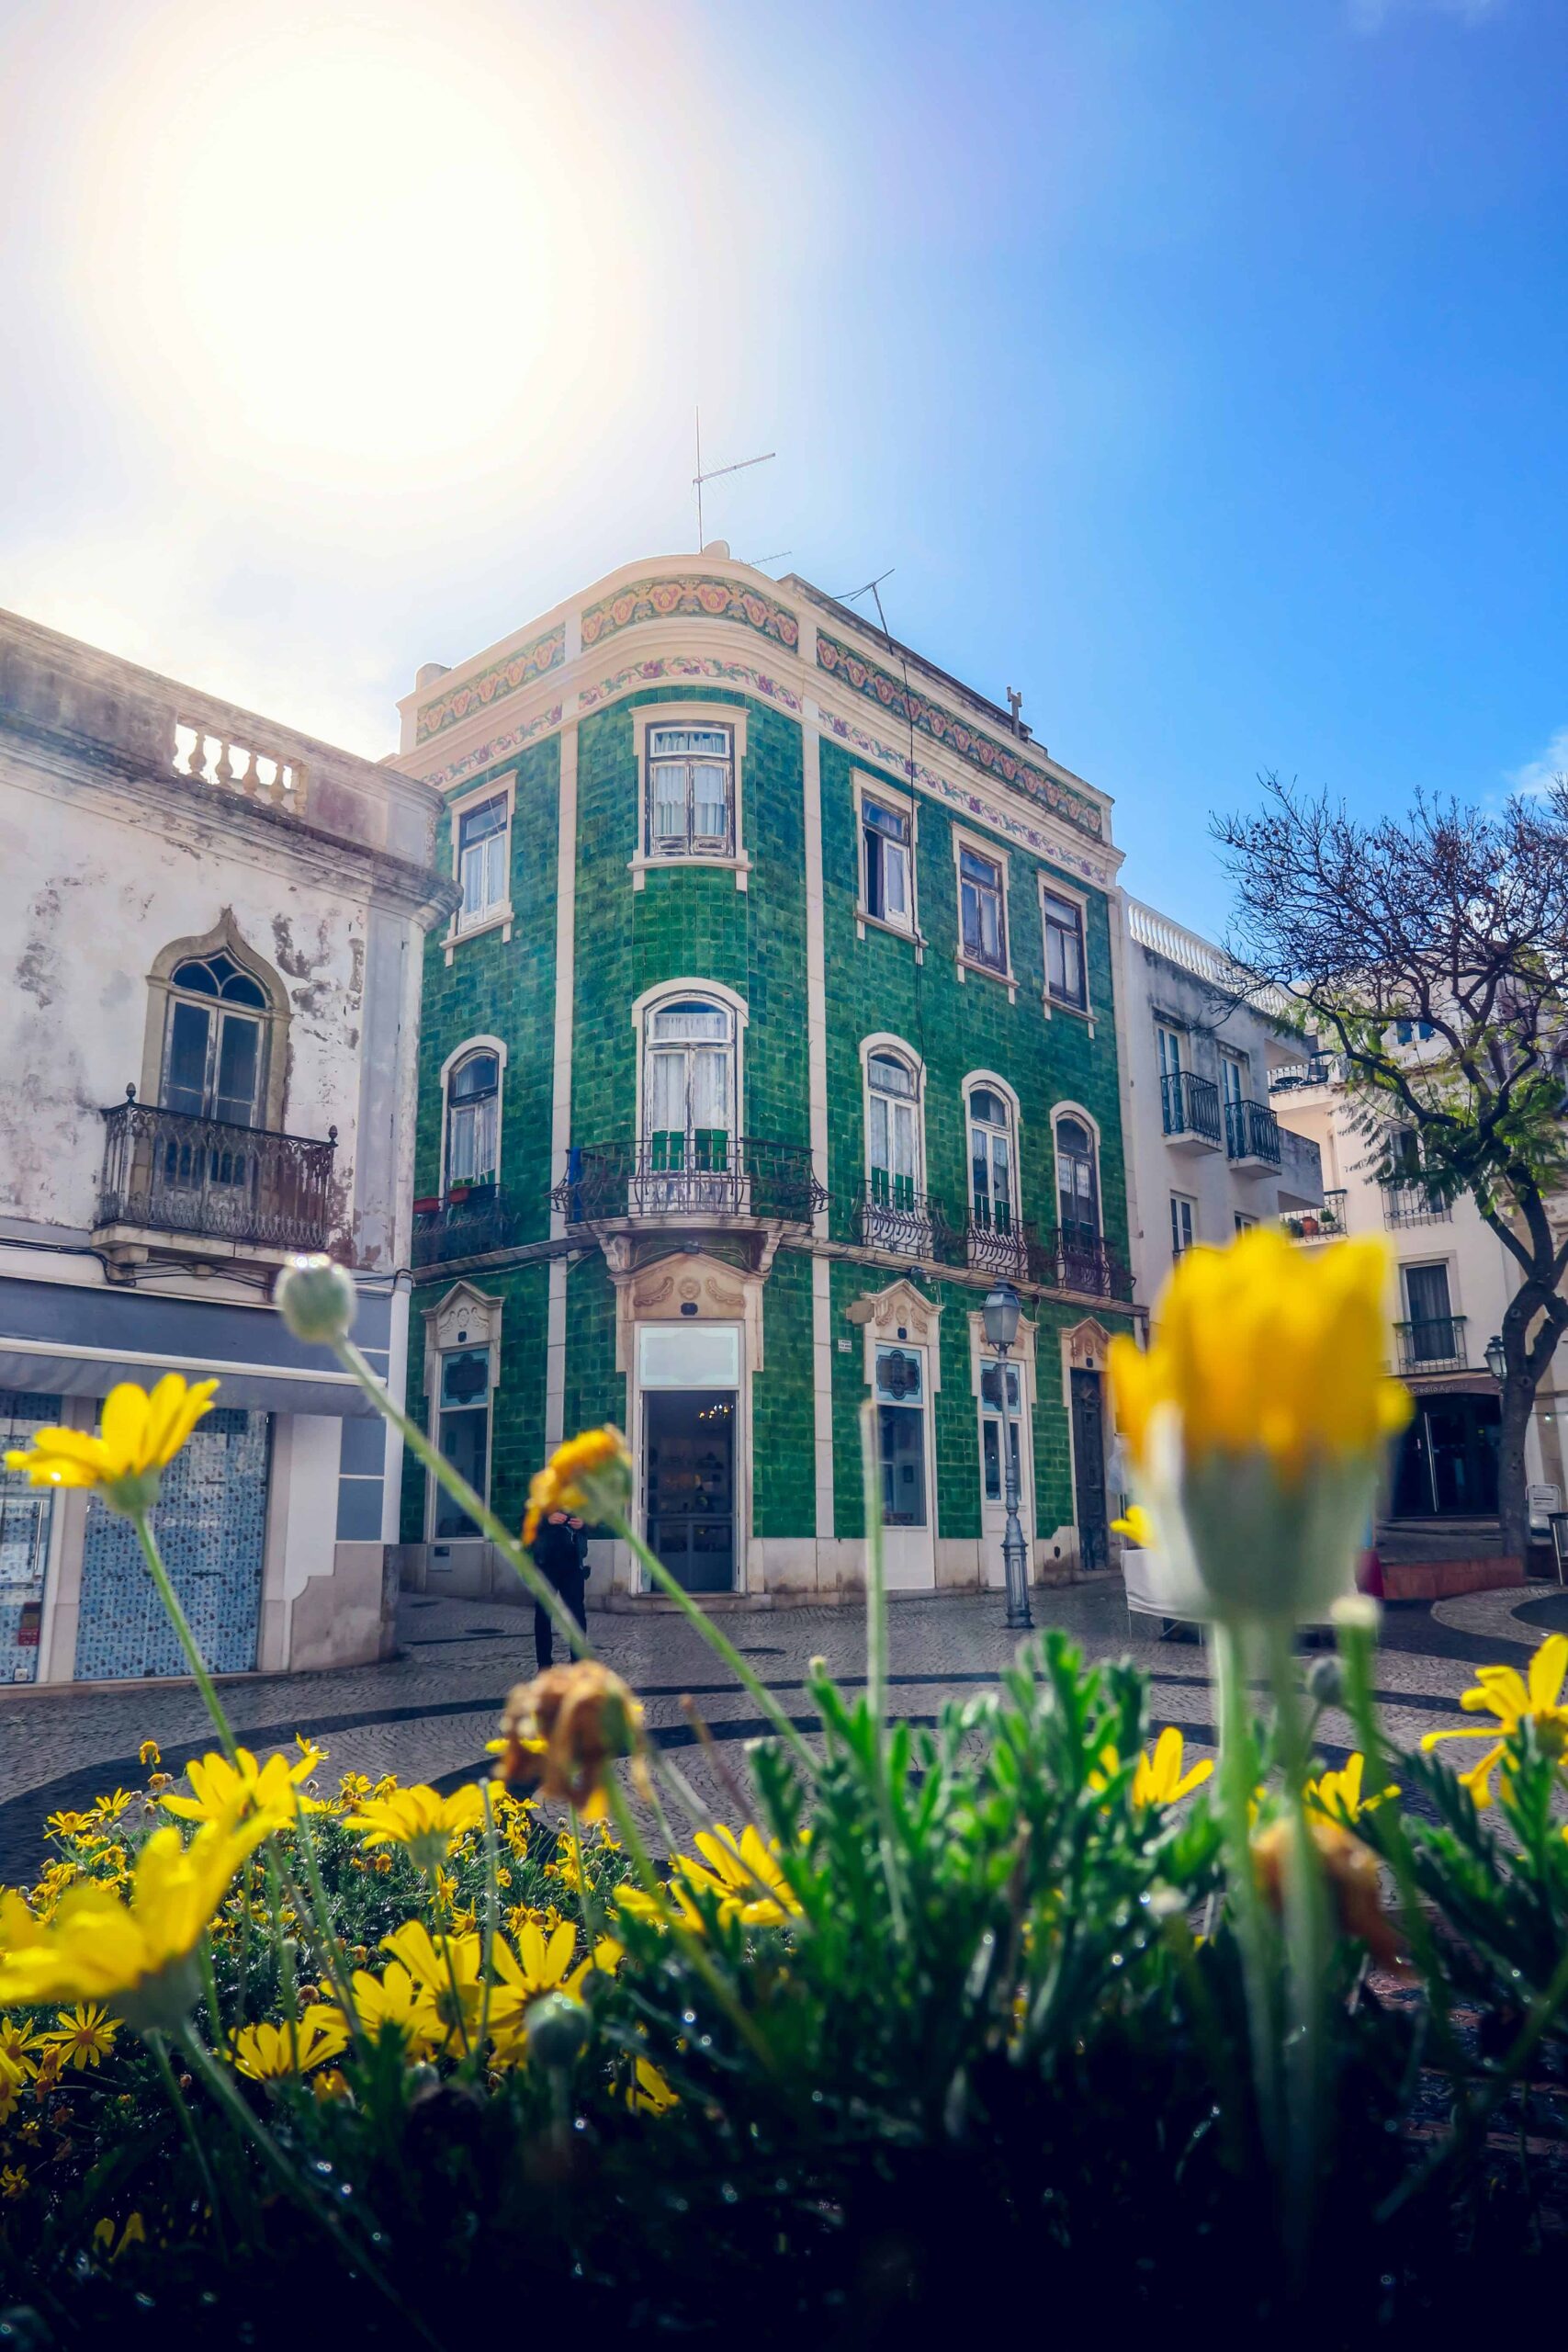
(703, 1172)
(1189, 1106)
(169, 1172)
(1252, 1132)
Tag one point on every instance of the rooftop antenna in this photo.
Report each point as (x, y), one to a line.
(870, 588)
(757, 562)
(713, 473)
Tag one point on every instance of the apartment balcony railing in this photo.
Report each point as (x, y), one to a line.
(1252, 1135)
(165, 1171)
(1319, 1069)
(1075, 1258)
(1436, 1343)
(703, 1172)
(470, 1222)
(890, 1215)
(1414, 1204)
(1189, 1108)
(1326, 1223)
(995, 1242)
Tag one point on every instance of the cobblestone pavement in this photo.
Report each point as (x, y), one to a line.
(427, 1713)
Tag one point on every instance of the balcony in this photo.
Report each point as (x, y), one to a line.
(1252, 1136)
(1434, 1344)
(1326, 1223)
(1408, 1203)
(166, 1173)
(996, 1244)
(1190, 1110)
(1074, 1258)
(705, 1173)
(892, 1215)
(472, 1222)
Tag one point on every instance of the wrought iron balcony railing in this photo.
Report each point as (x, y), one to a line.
(1189, 1106)
(1436, 1343)
(1326, 1223)
(703, 1172)
(1414, 1203)
(1252, 1132)
(165, 1171)
(995, 1240)
(890, 1215)
(1075, 1258)
(469, 1222)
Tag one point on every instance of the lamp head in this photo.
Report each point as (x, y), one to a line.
(999, 1315)
(1496, 1358)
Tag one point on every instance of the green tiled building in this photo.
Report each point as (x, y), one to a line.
(777, 1023)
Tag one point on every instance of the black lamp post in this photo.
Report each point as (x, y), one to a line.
(999, 1316)
(1496, 1358)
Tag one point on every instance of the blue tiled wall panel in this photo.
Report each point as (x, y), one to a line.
(211, 1527)
(26, 1516)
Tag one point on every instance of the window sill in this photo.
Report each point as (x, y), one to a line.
(640, 867)
(1054, 1004)
(1005, 979)
(499, 919)
(894, 931)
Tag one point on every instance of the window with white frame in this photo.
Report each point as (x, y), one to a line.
(893, 1130)
(886, 863)
(982, 909)
(992, 1160)
(1244, 1223)
(1078, 1185)
(1065, 972)
(1183, 1223)
(473, 1129)
(484, 833)
(463, 1433)
(690, 799)
(688, 1087)
(214, 1057)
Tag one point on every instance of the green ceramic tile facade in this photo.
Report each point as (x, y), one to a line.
(693, 922)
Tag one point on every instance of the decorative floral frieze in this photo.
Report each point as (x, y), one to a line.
(686, 665)
(502, 678)
(694, 596)
(981, 751)
(999, 818)
(485, 755)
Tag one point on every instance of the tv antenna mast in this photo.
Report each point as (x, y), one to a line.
(713, 473)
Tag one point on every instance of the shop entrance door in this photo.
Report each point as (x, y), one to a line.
(689, 1453)
(1089, 1470)
(27, 1515)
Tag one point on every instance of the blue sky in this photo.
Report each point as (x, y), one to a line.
(1198, 365)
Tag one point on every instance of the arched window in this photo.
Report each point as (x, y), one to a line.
(688, 1087)
(1078, 1186)
(473, 1125)
(214, 1034)
(893, 1129)
(992, 1160)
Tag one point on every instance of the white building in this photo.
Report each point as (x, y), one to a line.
(214, 926)
(1451, 1281)
(1208, 1154)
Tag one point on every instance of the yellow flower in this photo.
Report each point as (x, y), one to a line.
(139, 1436)
(590, 1475)
(1502, 1693)
(12, 2182)
(223, 1793)
(1134, 1526)
(150, 1753)
(744, 1874)
(421, 1819)
(269, 2052)
(133, 2234)
(649, 2093)
(1159, 1779)
(68, 1825)
(19, 2040)
(394, 1999)
(139, 1955)
(82, 2035)
(11, 2081)
(1257, 1419)
(447, 1971)
(541, 1965)
(1337, 1795)
(109, 1808)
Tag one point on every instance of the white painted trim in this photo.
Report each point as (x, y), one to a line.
(555, 1358)
(995, 854)
(883, 1041)
(649, 1000)
(730, 716)
(495, 788)
(1087, 1011)
(1066, 1110)
(565, 974)
(993, 1079)
(478, 1044)
(822, 1394)
(902, 800)
(816, 960)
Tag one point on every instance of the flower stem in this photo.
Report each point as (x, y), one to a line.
(1239, 1778)
(719, 1642)
(463, 1495)
(1306, 1952)
(181, 1624)
(690, 1944)
(160, 2049)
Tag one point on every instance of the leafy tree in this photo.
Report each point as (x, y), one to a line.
(1455, 917)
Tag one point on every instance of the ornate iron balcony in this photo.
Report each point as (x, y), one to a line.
(1326, 1223)
(890, 1215)
(1436, 1343)
(997, 1243)
(168, 1172)
(1407, 1203)
(704, 1172)
(1189, 1106)
(1075, 1258)
(1252, 1132)
(469, 1223)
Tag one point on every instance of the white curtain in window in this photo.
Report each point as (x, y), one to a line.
(892, 1137)
(690, 1076)
(471, 1142)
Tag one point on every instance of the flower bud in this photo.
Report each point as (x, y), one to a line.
(1326, 1681)
(556, 2026)
(317, 1300)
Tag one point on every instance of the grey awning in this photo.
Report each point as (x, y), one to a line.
(51, 1374)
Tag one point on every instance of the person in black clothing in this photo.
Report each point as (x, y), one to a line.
(560, 1552)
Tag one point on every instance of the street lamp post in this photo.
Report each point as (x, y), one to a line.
(999, 1316)
(1496, 1358)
